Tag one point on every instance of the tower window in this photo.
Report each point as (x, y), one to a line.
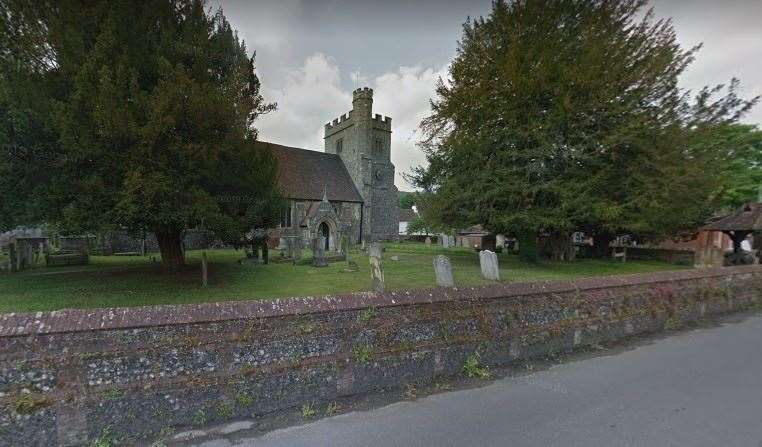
(378, 146)
(339, 146)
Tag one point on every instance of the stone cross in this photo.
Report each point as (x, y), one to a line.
(443, 271)
(376, 269)
(488, 262)
(318, 255)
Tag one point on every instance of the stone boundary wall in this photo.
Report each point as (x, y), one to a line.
(67, 375)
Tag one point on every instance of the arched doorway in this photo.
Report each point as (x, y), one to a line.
(325, 232)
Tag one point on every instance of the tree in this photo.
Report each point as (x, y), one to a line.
(406, 199)
(742, 173)
(566, 115)
(152, 111)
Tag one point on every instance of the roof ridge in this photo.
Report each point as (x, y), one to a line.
(298, 148)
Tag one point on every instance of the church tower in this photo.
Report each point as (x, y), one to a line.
(363, 141)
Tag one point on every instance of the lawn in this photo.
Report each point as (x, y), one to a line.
(111, 281)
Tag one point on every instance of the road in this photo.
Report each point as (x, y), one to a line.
(698, 388)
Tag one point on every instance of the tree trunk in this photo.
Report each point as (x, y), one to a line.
(601, 243)
(528, 246)
(265, 259)
(557, 246)
(171, 248)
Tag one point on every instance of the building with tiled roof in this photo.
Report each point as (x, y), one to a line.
(348, 189)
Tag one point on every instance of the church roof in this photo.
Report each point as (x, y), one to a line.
(304, 174)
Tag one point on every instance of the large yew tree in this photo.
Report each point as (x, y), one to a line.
(118, 114)
(566, 115)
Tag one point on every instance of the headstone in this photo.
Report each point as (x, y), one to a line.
(204, 271)
(318, 254)
(428, 240)
(376, 269)
(345, 244)
(395, 258)
(13, 257)
(443, 271)
(445, 241)
(375, 250)
(488, 262)
(293, 248)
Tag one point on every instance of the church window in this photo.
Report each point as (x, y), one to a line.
(378, 147)
(339, 146)
(285, 217)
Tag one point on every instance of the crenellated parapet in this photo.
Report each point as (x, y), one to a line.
(382, 122)
(339, 123)
(362, 93)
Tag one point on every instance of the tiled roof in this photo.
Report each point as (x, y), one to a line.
(302, 174)
(475, 230)
(747, 218)
(406, 214)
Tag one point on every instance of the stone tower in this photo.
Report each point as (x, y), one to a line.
(363, 141)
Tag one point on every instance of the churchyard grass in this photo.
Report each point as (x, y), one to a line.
(112, 281)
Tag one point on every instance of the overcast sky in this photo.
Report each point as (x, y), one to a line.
(311, 54)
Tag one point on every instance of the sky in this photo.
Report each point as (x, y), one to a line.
(311, 54)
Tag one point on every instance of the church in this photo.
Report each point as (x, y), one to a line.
(348, 188)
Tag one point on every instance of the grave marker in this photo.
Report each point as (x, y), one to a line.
(376, 268)
(443, 271)
(488, 262)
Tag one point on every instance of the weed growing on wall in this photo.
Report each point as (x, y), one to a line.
(472, 369)
(308, 411)
(105, 439)
(332, 409)
(362, 353)
(410, 391)
(224, 410)
(31, 403)
(367, 314)
(199, 418)
(244, 399)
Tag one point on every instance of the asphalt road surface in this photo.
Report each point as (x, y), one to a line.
(698, 388)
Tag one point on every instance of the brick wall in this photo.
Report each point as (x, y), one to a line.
(66, 375)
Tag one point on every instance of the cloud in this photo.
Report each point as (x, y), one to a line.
(313, 95)
(404, 95)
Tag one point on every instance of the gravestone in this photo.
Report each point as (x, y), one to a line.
(344, 240)
(488, 262)
(443, 271)
(376, 269)
(428, 240)
(13, 261)
(204, 270)
(318, 253)
(293, 248)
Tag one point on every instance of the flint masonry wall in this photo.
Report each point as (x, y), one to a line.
(66, 375)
